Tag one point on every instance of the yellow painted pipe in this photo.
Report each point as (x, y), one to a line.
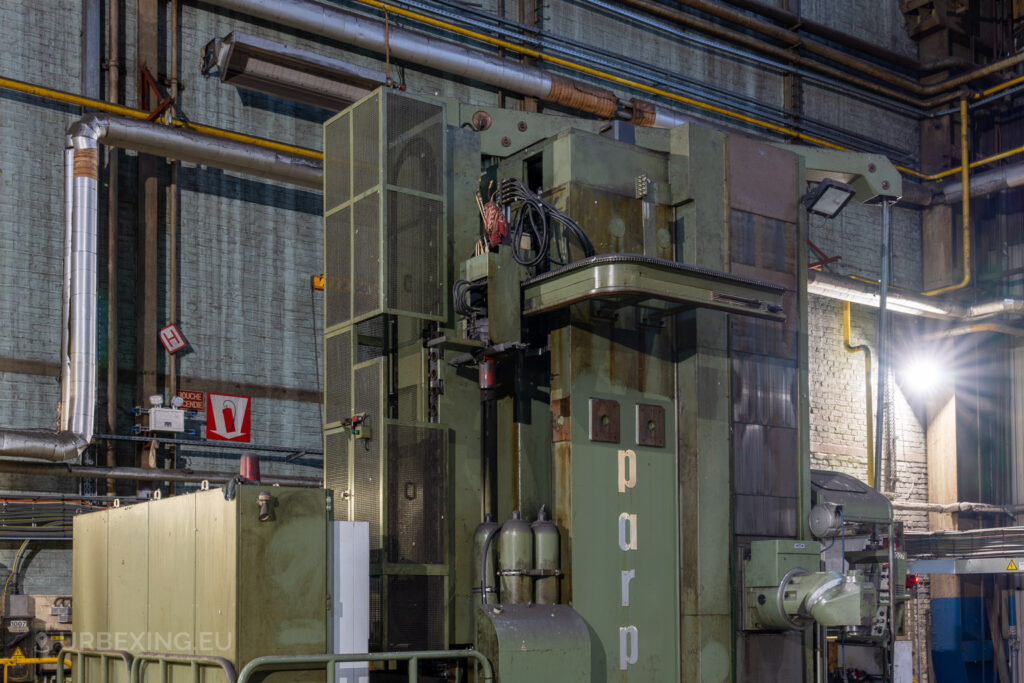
(868, 402)
(536, 54)
(965, 208)
(100, 105)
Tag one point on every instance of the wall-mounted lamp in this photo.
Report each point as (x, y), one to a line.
(828, 198)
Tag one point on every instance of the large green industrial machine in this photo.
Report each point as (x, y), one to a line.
(530, 313)
(566, 392)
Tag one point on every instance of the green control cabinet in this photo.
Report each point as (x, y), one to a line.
(199, 574)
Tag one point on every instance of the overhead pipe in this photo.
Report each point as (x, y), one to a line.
(142, 474)
(868, 402)
(984, 184)
(449, 57)
(804, 25)
(965, 208)
(794, 40)
(78, 339)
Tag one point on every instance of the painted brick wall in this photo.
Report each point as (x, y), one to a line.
(837, 420)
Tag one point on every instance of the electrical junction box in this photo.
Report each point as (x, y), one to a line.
(166, 420)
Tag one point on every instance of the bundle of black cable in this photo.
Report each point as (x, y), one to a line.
(532, 217)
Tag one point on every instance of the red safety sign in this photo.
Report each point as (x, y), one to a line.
(227, 417)
(192, 400)
(172, 338)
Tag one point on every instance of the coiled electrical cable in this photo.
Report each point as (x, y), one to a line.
(531, 216)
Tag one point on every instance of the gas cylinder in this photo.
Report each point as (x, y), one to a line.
(486, 528)
(515, 554)
(545, 557)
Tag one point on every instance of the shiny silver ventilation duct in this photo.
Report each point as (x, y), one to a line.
(81, 214)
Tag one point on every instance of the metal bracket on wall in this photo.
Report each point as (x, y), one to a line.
(604, 420)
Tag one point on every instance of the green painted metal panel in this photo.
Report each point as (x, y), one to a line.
(128, 576)
(89, 559)
(199, 574)
(172, 574)
(624, 533)
(282, 574)
(216, 589)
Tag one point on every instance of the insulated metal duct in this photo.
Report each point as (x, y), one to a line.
(81, 214)
(273, 68)
(984, 184)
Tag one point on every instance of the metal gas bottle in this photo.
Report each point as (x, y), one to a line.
(545, 558)
(515, 559)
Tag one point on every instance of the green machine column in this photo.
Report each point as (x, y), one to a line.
(616, 494)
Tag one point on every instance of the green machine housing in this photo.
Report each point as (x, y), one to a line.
(198, 574)
(653, 396)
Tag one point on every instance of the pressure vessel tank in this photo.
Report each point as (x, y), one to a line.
(545, 558)
(515, 556)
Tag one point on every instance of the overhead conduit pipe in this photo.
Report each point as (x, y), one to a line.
(78, 338)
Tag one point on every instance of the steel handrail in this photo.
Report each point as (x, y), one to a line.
(83, 653)
(195, 662)
(329, 662)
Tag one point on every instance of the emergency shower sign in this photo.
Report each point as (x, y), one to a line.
(172, 338)
(227, 417)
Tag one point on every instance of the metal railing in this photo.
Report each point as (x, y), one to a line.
(8, 662)
(165, 661)
(327, 663)
(81, 654)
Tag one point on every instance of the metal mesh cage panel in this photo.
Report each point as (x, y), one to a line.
(408, 399)
(337, 377)
(366, 145)
(415, 612)
(337, 260)
(415, 153)
(337, 162)
(366, 475)
(371, 339)
(417, 494)
(376, 614)
(415, 254)
(336, 471)
(366, 266)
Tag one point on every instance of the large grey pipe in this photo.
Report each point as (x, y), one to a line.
(81, 215)
(983, 184)
(450, 57)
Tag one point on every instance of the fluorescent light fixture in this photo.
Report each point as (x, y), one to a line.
(828, 198)
(847, 289)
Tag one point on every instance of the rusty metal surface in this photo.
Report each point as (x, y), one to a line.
(650, 425)
(765, 516)
(604, 420)
(764, 390)
(560, 425)
(762, 178)
(765, 460)
(768, 337)
(763, 248)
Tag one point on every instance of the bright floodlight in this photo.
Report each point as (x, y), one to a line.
(923, 375)
(828, 198)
